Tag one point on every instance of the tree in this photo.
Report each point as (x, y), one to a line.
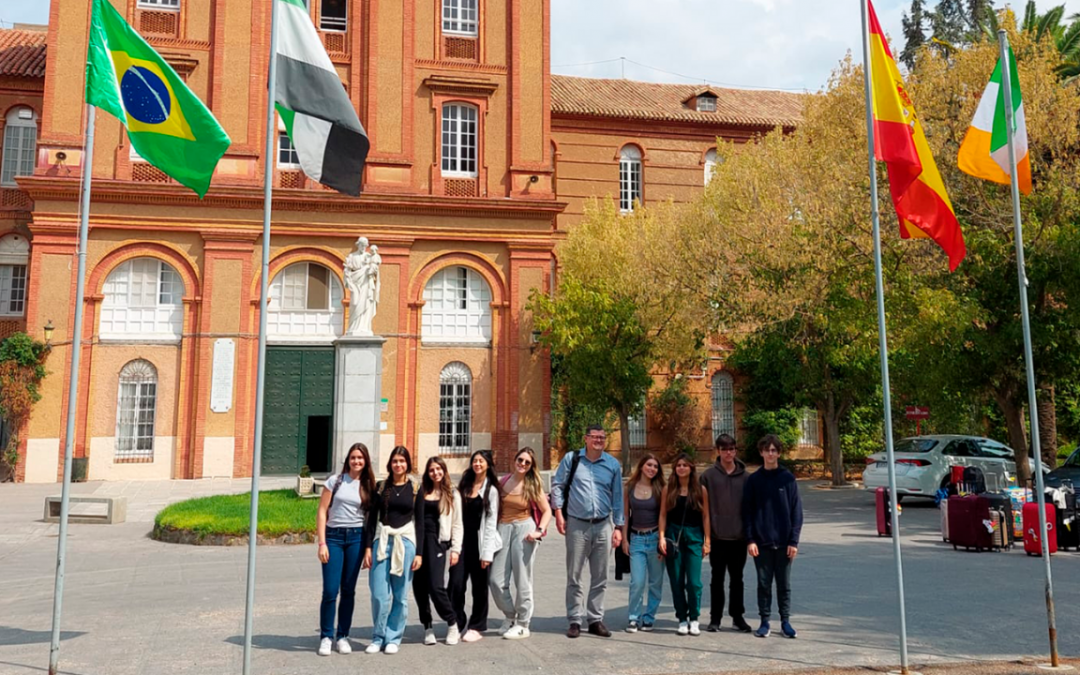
(950, 28)
(22, 368)
(914, 31)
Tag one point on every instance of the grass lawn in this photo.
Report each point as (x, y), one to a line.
(280, 512)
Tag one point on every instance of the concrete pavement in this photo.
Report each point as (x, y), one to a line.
(136, 606)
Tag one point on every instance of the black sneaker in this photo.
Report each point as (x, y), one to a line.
(713, 627)
(740, 625)
(647, 627)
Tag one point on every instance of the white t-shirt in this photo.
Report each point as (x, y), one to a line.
(346, 509)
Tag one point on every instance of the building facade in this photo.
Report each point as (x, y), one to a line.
(480, 161)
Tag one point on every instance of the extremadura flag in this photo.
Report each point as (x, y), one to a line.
(167, 124)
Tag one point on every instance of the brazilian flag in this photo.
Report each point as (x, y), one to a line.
(167, 124)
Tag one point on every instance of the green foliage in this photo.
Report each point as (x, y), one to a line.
(862, 431)
(783, 422)
(25, 351)
(914, 30)
(675, 412)
(22, 367)
(305, 471)
(280, 512)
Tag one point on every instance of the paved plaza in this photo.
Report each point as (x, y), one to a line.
(134, 606)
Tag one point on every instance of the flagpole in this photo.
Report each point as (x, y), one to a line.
(73, 386)
(260, 382)
(883, 347)
(1029, 361)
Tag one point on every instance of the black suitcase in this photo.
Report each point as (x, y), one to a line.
(1001, 505)
(1068, 523)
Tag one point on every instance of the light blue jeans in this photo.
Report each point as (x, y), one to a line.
(389, 595)
(646, 571)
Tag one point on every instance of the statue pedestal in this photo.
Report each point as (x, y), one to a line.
(357, 396)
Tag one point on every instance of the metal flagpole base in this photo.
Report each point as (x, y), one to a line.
(901, 672)
(1061, 668)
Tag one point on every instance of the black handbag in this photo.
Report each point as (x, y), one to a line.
(670, 545)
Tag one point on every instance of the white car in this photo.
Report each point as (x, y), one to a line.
(923, 464)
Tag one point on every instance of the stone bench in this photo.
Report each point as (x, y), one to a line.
(115, 509)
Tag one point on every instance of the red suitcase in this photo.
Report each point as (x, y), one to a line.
(881, 507)
(1032, 545)
(969, 517)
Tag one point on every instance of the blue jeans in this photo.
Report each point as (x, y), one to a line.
(339, 573)
(389, 595)
(646, 570)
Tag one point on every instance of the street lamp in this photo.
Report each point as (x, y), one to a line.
(48, 330)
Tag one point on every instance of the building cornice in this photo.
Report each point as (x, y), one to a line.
(652, 128)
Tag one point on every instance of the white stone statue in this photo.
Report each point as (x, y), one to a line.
(362, 278)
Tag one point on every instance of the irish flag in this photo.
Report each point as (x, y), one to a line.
(985, 152)
(318, 115)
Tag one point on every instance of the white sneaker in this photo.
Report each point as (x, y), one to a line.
(453, 634)
(343, 646)
(517, 633)
(390, 649)
(325, 646)
(429, 636)
(695, 628)
(684, 628)
(507, 625)
(373, 648)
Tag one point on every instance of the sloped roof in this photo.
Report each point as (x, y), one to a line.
(22, 53)
(628, 99)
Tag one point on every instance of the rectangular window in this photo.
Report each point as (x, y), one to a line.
(135, 421)
(454, 417)
(318, 290)
(459, 16)
(706, 104)
(159, 4)
(287, 155)
(459, 141)
(637, 429)
(808, 428)
(20, 144)
(629, 184)
(334, 15)
(12, 290)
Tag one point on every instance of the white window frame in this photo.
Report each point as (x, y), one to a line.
(712, 160)
(142, 309)
(637, 427)
(809, 430)
(723, 404)
(285, 145)
(455, 409)
(630, 178)
(14, 257)
(706, 103)
(20, 145)
(170, 5)
(136, 412)
(333, 24)
(460, 140)
(288, 322)
(457, 307)
(460, 17)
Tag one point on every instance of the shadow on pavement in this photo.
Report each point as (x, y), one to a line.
(18, 636)
(281, 643)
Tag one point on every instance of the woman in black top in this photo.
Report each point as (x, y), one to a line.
(684, 540)
(397, 552)
(479, 489)
(441, 531)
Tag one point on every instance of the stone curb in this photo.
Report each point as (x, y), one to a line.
(172, 535)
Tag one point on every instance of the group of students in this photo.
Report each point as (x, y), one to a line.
(484, 533)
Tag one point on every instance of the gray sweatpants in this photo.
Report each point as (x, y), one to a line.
(590, 542)
(514, 560)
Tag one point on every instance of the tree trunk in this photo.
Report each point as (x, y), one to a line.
(1047, 425)
(1014, 420)
(832, 441)
(624, 439)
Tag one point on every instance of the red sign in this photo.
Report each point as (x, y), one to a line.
(915, 412)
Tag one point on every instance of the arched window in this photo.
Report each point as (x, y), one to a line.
(20, 145)
(305, 304)
(135, 410)
(457, 307)
(723, 405)
(711, 160)
(143, 301)
(629, 178)
(455, 409)
(14, 254)
(459, 16)
(459, 140)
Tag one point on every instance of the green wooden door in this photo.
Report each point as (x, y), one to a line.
(299, 385)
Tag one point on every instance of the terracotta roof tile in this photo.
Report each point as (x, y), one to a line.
(629, 99)
(22, 53)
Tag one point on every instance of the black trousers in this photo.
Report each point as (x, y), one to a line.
(773, 563)
(727, 557)
(468, 571)
(429, 582)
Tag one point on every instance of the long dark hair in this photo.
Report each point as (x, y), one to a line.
(657, 480)
(469, 477)
(446, 488)
(367, 475)
(674, 486)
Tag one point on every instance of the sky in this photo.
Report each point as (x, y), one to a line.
(774, 44)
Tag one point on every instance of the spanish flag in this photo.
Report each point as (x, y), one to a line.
(918, 193)
(167, 124)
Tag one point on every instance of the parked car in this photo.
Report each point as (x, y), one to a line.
(1070, 470)
(922, 463)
